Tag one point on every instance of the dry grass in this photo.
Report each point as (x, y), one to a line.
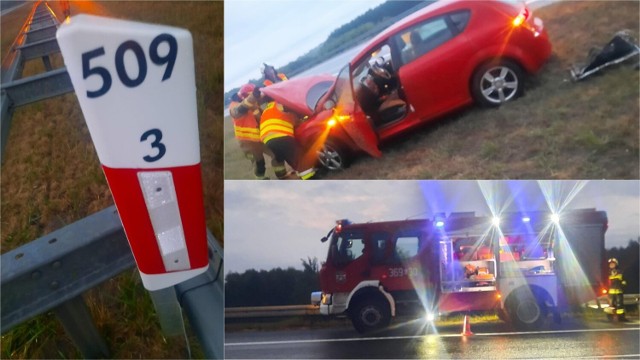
(51, 177)
(559, 130)
(12, 22)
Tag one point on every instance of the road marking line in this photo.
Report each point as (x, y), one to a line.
(553, 331)
(418, 337)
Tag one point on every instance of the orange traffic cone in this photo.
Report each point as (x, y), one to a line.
(466, 327)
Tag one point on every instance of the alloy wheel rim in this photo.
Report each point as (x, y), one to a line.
(330, 158)
(499, 84)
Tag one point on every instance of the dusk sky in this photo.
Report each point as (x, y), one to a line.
(279, 31)
(272, 224)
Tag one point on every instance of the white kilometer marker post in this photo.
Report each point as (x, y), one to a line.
(136, 87)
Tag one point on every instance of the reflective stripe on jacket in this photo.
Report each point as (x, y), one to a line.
(275, 123)
(246, 127)
(615, 283)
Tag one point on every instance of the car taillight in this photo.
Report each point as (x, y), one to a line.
(522, 17)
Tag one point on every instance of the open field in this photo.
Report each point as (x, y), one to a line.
(51, 177)
(558, 130)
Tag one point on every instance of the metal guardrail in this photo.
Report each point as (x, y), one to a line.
(630, 300)
(271, 311)
(36, 39)
(52, 272)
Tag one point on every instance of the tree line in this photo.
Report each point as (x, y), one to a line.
(292, 286)
(277, 286)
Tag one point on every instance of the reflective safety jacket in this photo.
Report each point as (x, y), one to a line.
(616, 282)
(246, 127)
(268, 82)
(275, 123)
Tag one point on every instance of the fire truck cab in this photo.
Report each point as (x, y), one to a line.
(524, 266)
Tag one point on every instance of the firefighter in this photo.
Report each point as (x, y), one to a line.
(271, 76)
(616, 294)
(277, 132)
(245, 112)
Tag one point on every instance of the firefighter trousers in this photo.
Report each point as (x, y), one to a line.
(255, 151)
(617, 302)
(285, 149)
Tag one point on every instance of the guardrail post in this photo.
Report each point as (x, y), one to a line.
(78, 323)
(47, 63)
(203, 301)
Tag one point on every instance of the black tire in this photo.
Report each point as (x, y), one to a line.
(370, 315)
(497, 82)
(526, 311)
(502, 315)
(333, 156)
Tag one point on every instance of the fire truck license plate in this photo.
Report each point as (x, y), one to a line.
(400, 272)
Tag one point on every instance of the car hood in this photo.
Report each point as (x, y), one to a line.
(299, 94)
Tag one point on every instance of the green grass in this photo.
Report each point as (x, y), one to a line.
(558, 130)
(51, 177)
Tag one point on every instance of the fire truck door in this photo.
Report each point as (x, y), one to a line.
(348, 256)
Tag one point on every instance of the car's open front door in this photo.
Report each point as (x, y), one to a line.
(352, 118)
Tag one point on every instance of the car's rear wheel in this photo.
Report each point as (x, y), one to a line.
(497, 82)
(333, 156)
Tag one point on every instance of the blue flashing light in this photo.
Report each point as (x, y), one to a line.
(526, 219)
(439, 223)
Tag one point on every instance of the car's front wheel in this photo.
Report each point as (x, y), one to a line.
(333, 156)
(497, 82)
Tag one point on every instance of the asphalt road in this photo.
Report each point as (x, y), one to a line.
(573, 338)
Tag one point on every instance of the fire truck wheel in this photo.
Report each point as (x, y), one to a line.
(371, 314)
(502, 315)
(333, 155)
(526, 311)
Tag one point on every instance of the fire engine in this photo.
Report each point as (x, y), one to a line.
(524, 266)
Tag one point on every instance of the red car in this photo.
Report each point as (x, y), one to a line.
(438, 59)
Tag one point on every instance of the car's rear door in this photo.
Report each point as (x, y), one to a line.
(432, 56)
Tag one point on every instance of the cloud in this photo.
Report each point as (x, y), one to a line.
(279, 31)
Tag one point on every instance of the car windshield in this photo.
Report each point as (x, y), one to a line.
(317, 91)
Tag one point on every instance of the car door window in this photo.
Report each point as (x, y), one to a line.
(422, 38)
(460, 20)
